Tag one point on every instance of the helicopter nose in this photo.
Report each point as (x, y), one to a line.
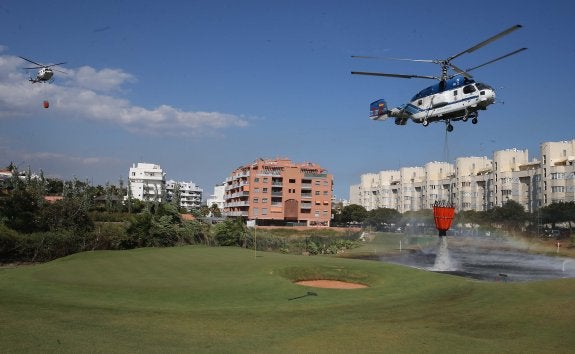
(487, 95)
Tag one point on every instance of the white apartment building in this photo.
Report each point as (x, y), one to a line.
(146, 182)
(218, 196)
(189, 194)
(558, 171)
(475, 183)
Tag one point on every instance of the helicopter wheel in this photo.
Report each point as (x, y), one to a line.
(474, 121)
(425, 123)
(449, 127)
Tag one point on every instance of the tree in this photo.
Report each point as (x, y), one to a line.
(353, 213)
(382, 218)
(65, 214)
(231, 232)
(215, 211)
(19, 210)
(558, 212)
(511, 215)
(204, 210)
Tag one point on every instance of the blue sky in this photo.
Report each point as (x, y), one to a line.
(202, 87)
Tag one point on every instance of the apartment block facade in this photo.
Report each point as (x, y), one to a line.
(146, 182)
(475, 183)
(189, 194)
(279, 191)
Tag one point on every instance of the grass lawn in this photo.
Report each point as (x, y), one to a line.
(198, 299)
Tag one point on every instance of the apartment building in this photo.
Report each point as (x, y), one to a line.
(558, 171)
(476, 183)
(188, 193)
(217, 197)
(279, 191)
(146, 182)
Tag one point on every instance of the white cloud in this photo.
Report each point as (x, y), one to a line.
(82, 97)
(102, 80)
(63, 158)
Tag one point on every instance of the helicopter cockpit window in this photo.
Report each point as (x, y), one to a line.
(468, 89)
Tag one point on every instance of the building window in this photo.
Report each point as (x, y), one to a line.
(256, 179)
(256, 200)
(291, 180)
(264, 211)
(256, 211)
(558, 189)
(265, 180)
(265, 190)
(316, 192)
(264, 200)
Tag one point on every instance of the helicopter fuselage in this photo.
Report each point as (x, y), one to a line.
(44, 74)
(455, 99)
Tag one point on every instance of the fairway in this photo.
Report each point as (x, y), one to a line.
(200, 299)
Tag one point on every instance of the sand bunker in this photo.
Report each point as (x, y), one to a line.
(331, 284)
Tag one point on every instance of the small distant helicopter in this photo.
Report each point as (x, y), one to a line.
(45, 72)
(456, 97)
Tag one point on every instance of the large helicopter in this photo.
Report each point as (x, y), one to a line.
(45, 72)
(455, 97)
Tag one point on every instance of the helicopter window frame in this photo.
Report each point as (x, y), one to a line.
(469, 89)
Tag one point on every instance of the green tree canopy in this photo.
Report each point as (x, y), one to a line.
(511, 215)
(353, 213)
(382, 218)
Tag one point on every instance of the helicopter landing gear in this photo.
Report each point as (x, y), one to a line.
(474, 120)
(425, 123)
(449, 127)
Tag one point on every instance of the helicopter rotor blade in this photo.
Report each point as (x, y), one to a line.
(401, 76)
(459, 71)
(497, 59)
(47, 66)
(60, 71)
(415, 60)
(486, 42)
(390, 58)
(33, 62)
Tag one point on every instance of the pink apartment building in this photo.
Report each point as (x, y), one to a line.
(278, 192)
